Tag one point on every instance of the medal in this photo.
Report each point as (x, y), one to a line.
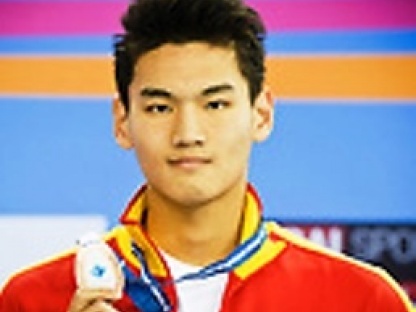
(97, 267)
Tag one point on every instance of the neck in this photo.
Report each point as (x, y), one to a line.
(198, 235)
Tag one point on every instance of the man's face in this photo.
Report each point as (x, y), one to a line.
(191, 122)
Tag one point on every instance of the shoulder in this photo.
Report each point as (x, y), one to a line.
(38, 282)
(334, 272)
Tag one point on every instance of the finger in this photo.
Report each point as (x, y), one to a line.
(84, 298)
(100, 306)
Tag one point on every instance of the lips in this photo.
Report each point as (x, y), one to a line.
(189, 162)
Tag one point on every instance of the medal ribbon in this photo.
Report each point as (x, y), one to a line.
(146, 292)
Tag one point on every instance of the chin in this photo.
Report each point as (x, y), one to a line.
(192, 199)
(195, 195)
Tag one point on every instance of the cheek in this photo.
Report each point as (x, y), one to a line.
(150, 160)
(149, 135)
(147, 145)
(237, 137)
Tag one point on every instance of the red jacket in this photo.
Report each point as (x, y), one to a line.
(286, 274)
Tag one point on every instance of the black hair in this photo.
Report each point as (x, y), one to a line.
(148, 24)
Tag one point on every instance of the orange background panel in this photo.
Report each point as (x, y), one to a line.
(344, 77)
(56, 75)
(364, 77)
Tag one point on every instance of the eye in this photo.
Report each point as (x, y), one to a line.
(216, 105)
(158, 109)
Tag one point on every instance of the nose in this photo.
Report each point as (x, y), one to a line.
(188, 130)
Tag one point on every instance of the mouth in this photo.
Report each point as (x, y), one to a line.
(189, 162)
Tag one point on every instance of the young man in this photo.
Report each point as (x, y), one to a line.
(191, 103)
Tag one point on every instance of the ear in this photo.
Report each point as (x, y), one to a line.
(120, 124)
(263, 110)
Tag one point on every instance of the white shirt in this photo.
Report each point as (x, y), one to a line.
(202, 295)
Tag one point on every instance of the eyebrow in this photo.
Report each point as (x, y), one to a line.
(217, 89)
(155, 92)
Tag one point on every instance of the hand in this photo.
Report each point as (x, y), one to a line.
(92, 300)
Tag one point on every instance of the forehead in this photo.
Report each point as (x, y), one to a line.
(188, 66)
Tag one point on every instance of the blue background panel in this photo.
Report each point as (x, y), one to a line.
(340, 162)
(401, 41)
